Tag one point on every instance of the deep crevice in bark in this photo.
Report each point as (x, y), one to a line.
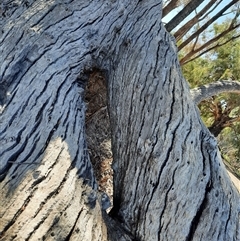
(11, 161)
(98, 133)
(73, 227)
(199, 212)
(16, 215)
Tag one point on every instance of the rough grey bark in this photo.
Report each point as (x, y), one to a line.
(222, 86)
(169, 180)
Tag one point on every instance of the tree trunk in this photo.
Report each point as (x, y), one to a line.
(169, 180)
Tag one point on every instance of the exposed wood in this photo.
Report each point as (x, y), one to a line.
(235, 180)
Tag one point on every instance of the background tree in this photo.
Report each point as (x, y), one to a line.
(221, 100)
(189, 30)
(199, 35)
(169, 180)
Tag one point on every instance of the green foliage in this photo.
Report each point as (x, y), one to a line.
(222, 63)
(197, 72)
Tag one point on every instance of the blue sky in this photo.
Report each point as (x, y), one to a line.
(220, 6)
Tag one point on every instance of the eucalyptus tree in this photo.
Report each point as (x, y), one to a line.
(190, 20)
(215, 84)
(169, 180)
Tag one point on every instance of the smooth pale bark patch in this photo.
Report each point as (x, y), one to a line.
(53, 203)
(235, 180)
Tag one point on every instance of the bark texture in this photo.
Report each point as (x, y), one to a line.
(222, 86)
(222, 116)
(169, 180)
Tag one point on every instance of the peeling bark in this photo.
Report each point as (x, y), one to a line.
(169, 180)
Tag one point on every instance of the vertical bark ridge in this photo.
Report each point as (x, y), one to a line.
(48, 182)
(155, 150)
(49, 189)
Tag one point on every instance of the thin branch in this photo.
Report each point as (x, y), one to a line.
(231, 121)
(186, 27)
(206, 25)
(191, 6)
(182, 61)
(205, 91)
(211, 10)
(211, 41)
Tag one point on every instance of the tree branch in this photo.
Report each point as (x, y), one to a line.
(217, 45)
(171, 5)
(191, 6)
(206, 25)
(205, 91)
(186, 58)
(231, 121)
(186, 27)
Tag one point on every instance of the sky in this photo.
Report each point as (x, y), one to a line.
(220, 6)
